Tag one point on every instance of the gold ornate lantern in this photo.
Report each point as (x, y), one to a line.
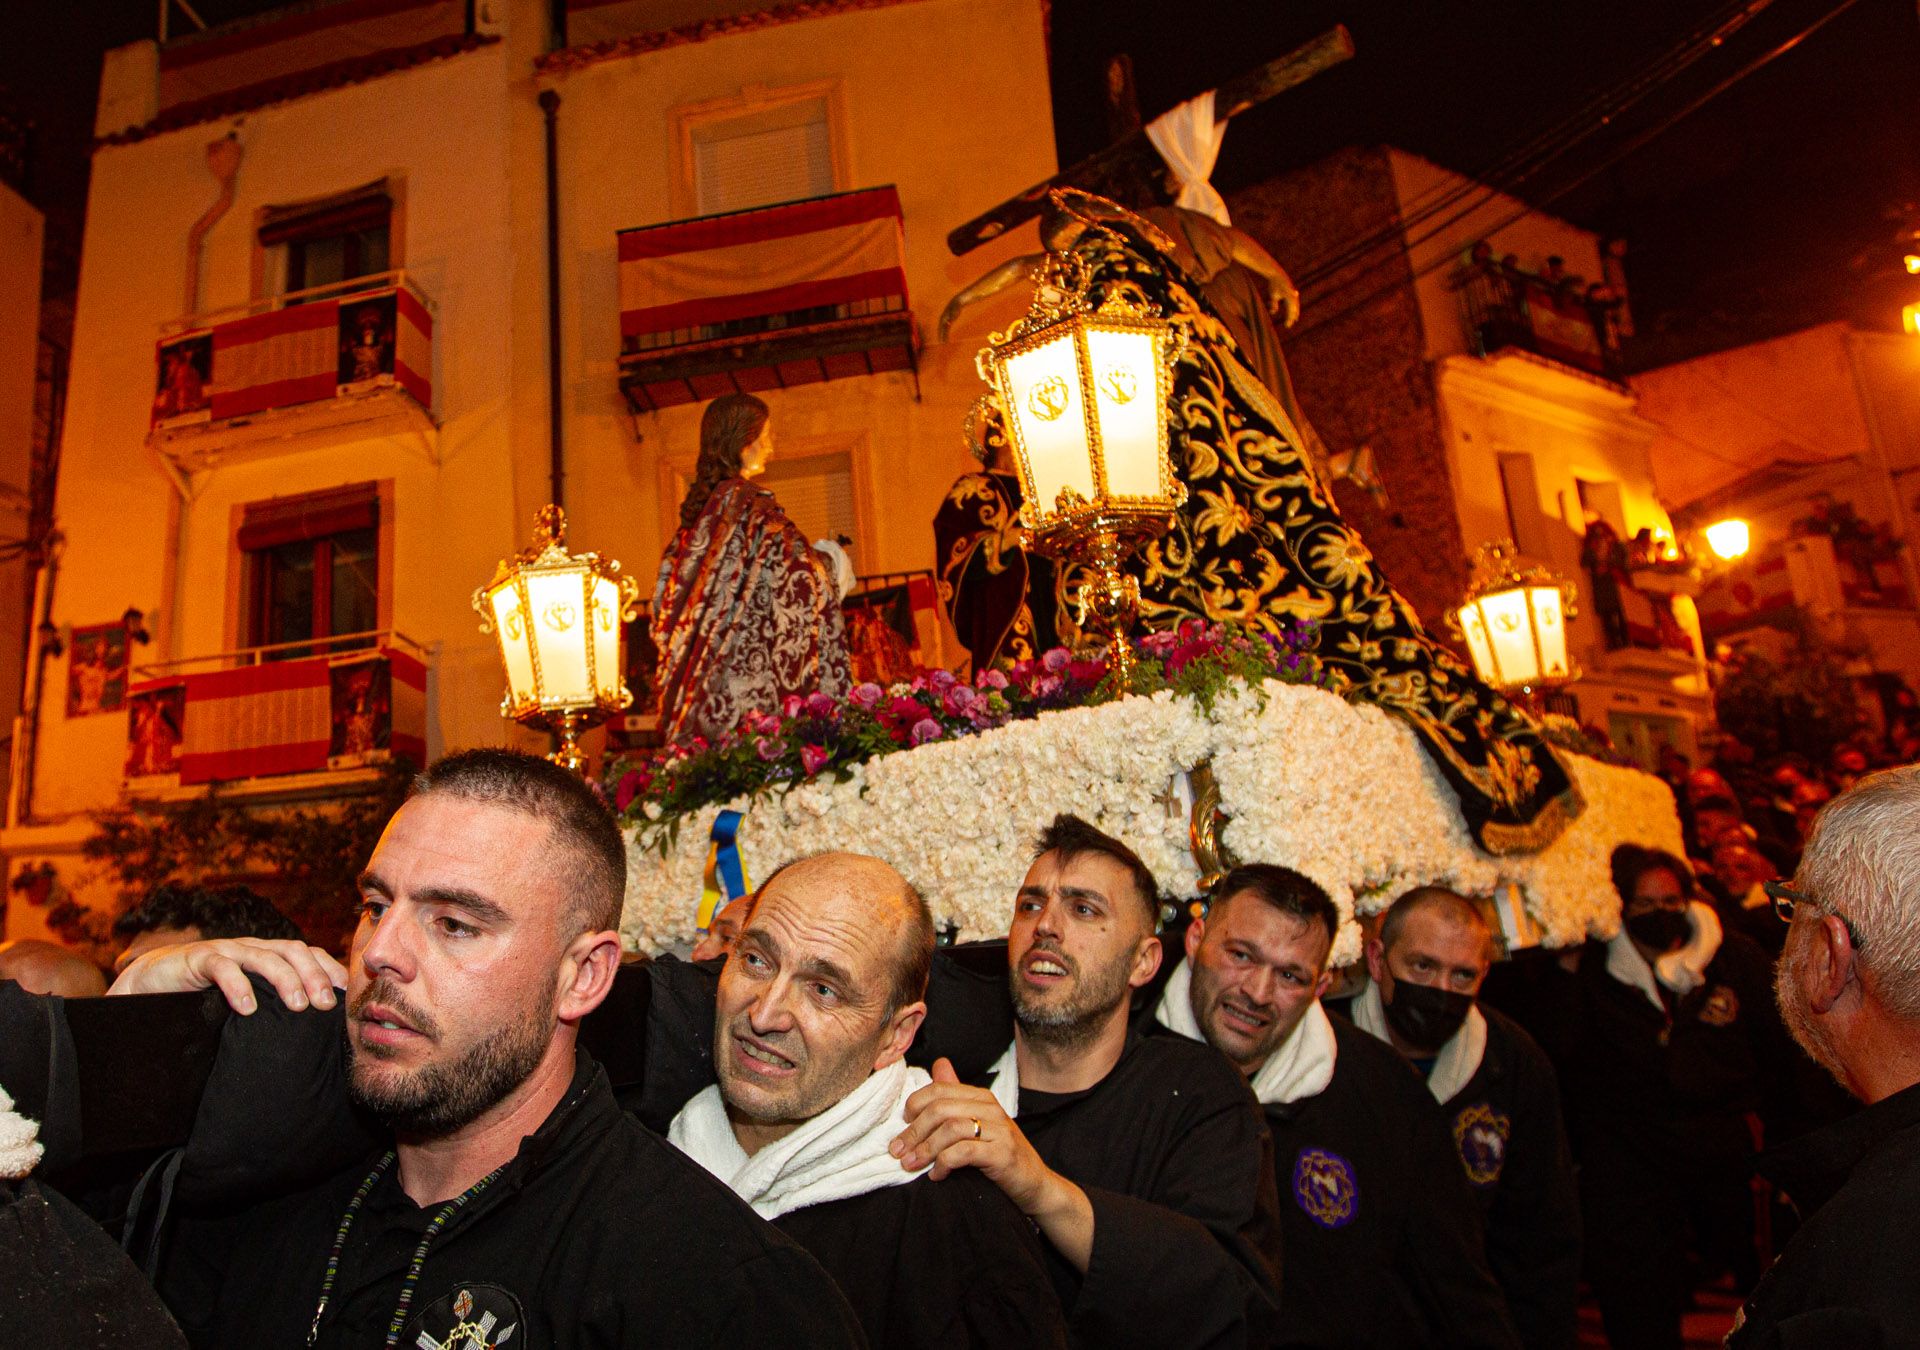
(558, 616)
(1514, 621)
(1084, 390)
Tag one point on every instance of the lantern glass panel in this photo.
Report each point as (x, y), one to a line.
(558, 600)
(606, 639)
(1043, 393)
(1549, 630)
(1127, 405)
(509, 624)
(1511, 635)
(1478, 645)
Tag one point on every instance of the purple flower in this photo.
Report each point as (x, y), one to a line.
(819, 705)
(991, 679)
(767, 749)
(1055, 660)
(866, 696)
(958, 701)
(1048, 685)
(941, 680)
(926, 729)
(813, 758)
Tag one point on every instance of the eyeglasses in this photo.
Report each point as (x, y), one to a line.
(1786, 900)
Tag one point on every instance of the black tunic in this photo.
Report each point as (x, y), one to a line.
(935, 1265)
(1170, 1149)
(1847, 1277)
(1512, 1143)
(599, 1233)
(1383, 1238)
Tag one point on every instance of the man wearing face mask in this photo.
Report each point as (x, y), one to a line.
(1497, 1091)
(1670, 1049)
(1382, 1237)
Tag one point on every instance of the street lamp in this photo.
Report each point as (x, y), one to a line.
(1514, 621)
(1084, 389)
(559, 619)
(1729, 539)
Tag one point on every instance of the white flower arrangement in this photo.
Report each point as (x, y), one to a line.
(1341, 792)
(20, 1149)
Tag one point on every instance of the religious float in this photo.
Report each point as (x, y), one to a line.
(1285, 704)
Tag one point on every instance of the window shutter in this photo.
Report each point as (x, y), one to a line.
(364, 208)
(745, 164)
(816, 492)
(314, 515)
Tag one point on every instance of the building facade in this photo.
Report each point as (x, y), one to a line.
(311, 400)
(1470, 343)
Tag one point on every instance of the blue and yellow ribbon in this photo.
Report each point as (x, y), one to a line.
(726, 876)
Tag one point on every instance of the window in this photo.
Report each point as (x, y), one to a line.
(326, 242)
(312, 569)
(816, 492)
(758, 149)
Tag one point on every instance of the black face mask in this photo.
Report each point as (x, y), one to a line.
(1664, 930)
(1425, 1017)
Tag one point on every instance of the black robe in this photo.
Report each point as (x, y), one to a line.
(1512, 1143)
(935, 1265)
(597, 1233)
(1383, 1238)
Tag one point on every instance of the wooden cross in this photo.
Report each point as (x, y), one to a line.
(1096, 170)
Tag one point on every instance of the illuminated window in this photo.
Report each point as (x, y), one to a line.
(313, 568)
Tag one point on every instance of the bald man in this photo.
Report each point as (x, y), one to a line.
(1497, 1090)
(818, 1003)
(48, 968)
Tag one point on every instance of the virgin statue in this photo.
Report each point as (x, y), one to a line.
(745, 610)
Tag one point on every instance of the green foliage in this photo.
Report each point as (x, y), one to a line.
(1802, 702)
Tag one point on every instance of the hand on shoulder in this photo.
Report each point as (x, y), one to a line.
(300, 974)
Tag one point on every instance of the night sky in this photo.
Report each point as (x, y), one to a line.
(1787, 200)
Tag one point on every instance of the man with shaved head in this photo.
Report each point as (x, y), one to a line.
(819, 1000)
(1497, 1090)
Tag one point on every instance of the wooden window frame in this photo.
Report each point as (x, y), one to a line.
(249, 579)
(269, 277)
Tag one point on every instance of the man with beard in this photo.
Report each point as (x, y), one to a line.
(1667, 1043)
(1497, 1091)
(516, 1201)
(1141, 1160)
(1382, 1238)
(817, 1006)
(1848, 985)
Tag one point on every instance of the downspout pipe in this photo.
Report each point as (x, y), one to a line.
(556, 445)
(223, 162)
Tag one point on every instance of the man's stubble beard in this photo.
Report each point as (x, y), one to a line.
(1080, 1018)
(439, 1099)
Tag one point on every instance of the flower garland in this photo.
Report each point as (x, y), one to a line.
(1340, 791)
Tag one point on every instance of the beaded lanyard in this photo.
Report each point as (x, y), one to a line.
(439, 1221)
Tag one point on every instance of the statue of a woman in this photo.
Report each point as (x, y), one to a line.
(745, 610)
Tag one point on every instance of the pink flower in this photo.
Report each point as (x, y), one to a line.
(819, 705)
(866, 696)
(1086, 673)
(926, 729)
(907, 710)
(632, 784)
(991, 679)
(1048, 685)
(791, 705)
(941, 680)
(767, 749)
(813, 758)
(1055, 660)
(958, 701)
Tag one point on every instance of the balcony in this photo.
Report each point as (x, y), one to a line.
(243, 381)
(1806, 571)
(1507, 309)
(764, 299)
(277, 713)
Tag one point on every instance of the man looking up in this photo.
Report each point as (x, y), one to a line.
(1382, 1239)
(1497, 1091)
(1848, 985)
(1142, 1161)
(817, 1006)
(516, 1195)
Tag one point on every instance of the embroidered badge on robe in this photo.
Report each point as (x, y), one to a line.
(472, 1317)
(1481, 1133)
(1721, 1008)
(1324, 1187)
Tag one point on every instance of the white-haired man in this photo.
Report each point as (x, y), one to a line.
(1848, 985)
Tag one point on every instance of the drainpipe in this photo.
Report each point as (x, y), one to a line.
(550, 105)
(26, 729)
(223, 162)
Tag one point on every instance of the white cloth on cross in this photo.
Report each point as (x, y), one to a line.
(1188, 139)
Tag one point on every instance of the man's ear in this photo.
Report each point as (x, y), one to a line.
(1376, 959)
(1324, 983)
(1830, 964)
(904, 1027)
(586, 973)
(1196, 934)
(1146, 962)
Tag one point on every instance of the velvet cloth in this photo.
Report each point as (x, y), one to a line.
(1001, 598)
(744, 613)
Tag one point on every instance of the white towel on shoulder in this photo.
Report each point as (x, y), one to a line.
(1302, 1066)
(841, 1152)
(1458, 1060)
(1681, 971)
